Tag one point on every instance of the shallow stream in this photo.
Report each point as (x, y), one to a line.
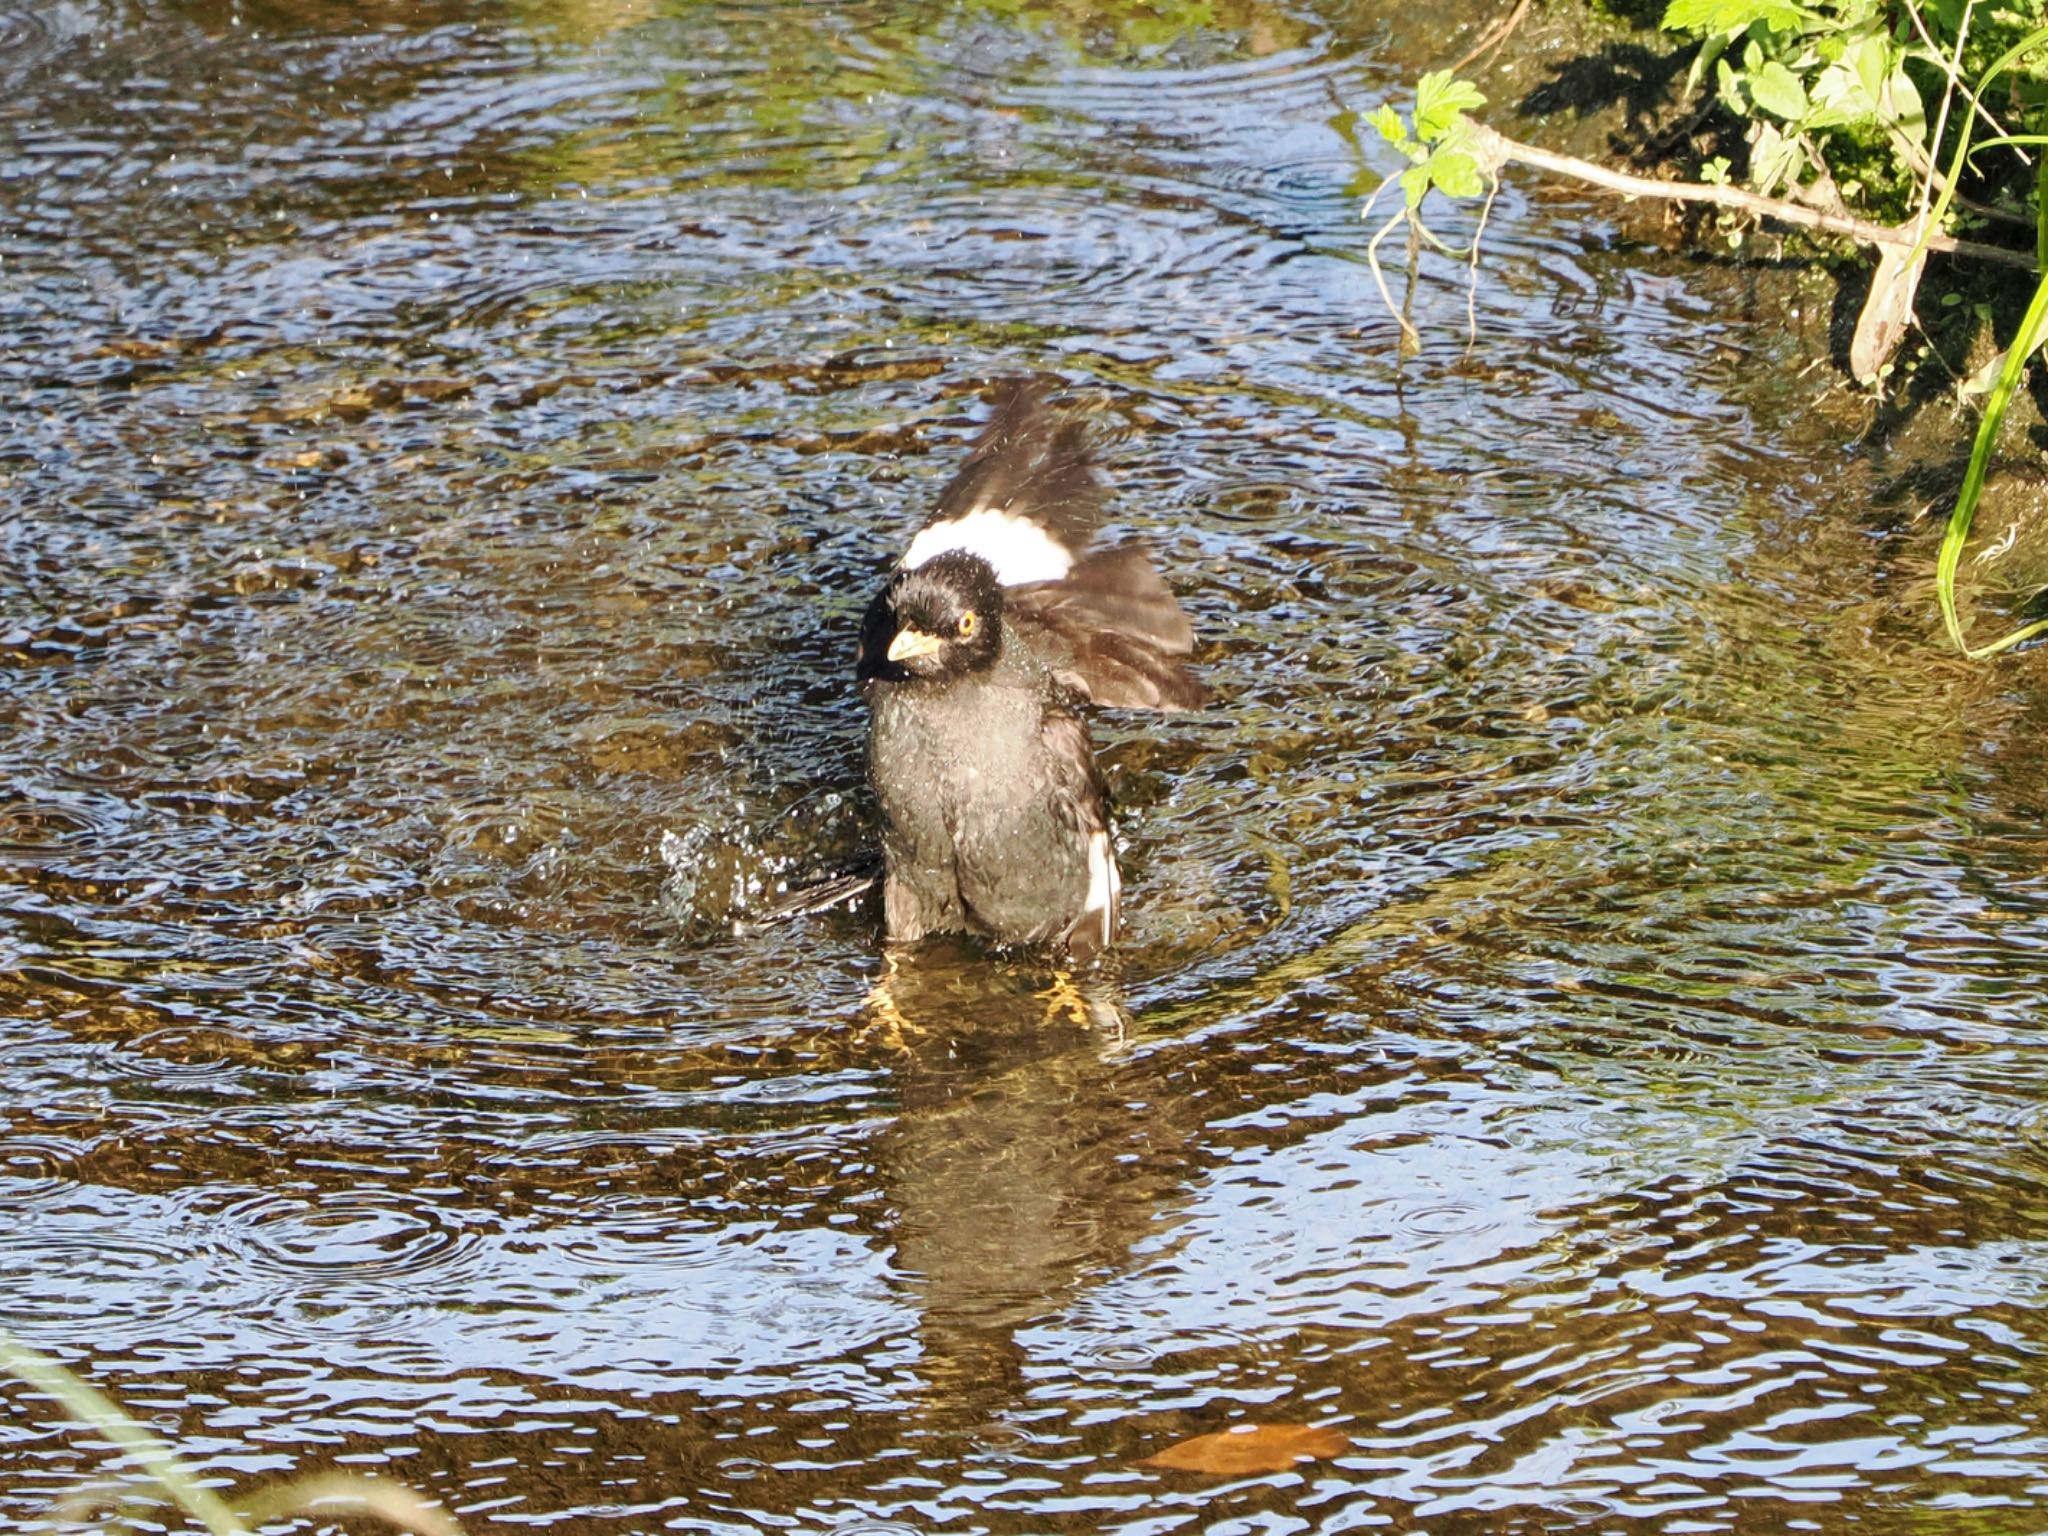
(1577, 1033)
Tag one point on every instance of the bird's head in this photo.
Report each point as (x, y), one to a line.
(942, 619)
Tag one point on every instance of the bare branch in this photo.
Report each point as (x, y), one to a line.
(1954, 72)
(1409, 335)
(1495, 149)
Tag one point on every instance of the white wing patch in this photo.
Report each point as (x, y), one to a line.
(1017, 549)
(1105, 885)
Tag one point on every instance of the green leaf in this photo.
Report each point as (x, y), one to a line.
(1389, 123)
(1441, 98)
(1773, 159)
(1778, 91)
(1839, 98)
(1708, 56)
(1728, 86)
(1872, 60)
(1415, 184)
(1727, 17)
(1900, 101)
(2041, 215)
(2032, 328)
(1457, 173)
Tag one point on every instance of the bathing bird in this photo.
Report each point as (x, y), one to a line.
(998, 623)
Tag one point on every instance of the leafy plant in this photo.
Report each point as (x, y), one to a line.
(1818, 85)
(1446, 151)
(2033, 330)
(1806, 75)
(1957, 535)
(1440, 143)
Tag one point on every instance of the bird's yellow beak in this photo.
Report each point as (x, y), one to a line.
(911, 643)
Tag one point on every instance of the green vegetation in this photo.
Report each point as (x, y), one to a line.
(1831, 97)
(160, 1476)
(2033, 326)
(1822, 88)
(1441, 144)
(1833, 92)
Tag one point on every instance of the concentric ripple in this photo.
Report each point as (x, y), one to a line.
(1058, 246)
(85, 1263)
(36, 1169)
(31, 31)
(361, 1236)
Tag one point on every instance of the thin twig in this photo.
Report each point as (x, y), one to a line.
(1934, 351)
(1472, 286)
(1955, 76)
(1923, 164)
(1495, 149)
(88, 1405)
(1415, 234)
(1948, 94)
(1492, 37)
(1379, 276)
(350, 1493)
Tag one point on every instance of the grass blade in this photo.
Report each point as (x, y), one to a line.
(88, 1405)
(1958, 531)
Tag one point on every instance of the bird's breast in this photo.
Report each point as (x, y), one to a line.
(940, 748)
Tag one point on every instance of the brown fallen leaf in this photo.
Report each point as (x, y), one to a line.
(1247, 1448)
(1888, 311)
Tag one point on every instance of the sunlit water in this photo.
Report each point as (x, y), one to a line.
(1578, 1032)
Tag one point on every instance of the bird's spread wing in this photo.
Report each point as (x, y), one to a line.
(1028, 498)
(1111, 631)
(1028, 501)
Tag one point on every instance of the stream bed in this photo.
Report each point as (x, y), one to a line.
(1576, 1029)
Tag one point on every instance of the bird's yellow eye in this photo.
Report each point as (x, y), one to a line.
(968, 622)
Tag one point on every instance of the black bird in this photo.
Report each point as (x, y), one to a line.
(995, 623)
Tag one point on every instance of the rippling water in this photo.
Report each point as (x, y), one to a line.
(1577, 1031)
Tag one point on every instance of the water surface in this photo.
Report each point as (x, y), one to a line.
(1576, 1032)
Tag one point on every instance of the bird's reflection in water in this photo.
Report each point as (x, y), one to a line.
(1023, 1165)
